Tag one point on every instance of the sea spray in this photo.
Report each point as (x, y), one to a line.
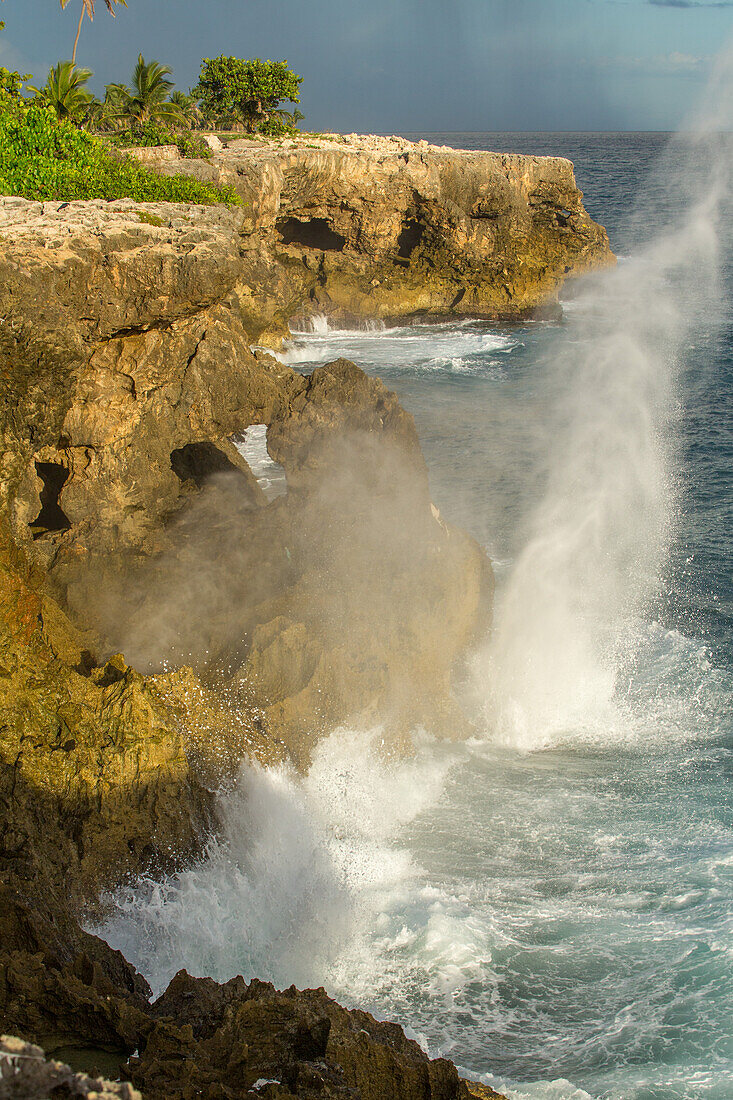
(598, 538)
(301, 872)
(561, 919)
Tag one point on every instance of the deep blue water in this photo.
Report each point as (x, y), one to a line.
(548, 904)
(595, 881)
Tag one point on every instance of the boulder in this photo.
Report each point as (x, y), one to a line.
(25, 1074)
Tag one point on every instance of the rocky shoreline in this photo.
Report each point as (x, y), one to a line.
(376, 227)
(130, 523)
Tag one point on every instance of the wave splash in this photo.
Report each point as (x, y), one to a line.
(598, 538)
(316, 879)
(300, 872)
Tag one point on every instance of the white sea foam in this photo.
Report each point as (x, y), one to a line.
(252, 445)
(456, 346)
(302, 870)
(564, 914)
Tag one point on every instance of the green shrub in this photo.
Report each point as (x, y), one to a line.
(192, 145)
(250, 91)
(41, 158)
(151, 134)
(11, 83)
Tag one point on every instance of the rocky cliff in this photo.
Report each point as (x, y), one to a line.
(162, 619)
(372, 227)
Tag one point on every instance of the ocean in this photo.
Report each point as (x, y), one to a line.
(548, 904)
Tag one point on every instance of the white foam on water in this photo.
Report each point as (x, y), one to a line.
(252, 445)
(542, 1090)
(303, 869)
(471, 889)
(456, 346)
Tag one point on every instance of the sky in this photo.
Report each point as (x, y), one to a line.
(392, 66)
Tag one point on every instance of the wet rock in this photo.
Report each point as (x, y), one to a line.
(26, 1074)
(160, 619)
(251, 1039)
(61, 986)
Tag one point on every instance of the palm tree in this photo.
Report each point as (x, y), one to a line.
(116, 95)
(65, 92)
(147, 99)
(87, 8)
(188, 106)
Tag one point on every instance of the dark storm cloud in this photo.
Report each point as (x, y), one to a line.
(428, 65)
(691, 3)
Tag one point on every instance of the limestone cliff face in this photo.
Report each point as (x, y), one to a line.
(124, 487)
(381, 227)
(160, 618)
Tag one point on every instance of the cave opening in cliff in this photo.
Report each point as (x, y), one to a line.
(413, 231)
(314, 233)
(199, 461)
(51, 516)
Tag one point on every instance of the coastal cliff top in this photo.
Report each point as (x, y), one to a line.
(51, 223)
(373, 145)
(254, 150)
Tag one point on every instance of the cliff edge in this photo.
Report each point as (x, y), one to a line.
(375, 227)
(162, 618)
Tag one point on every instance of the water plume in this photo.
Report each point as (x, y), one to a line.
(598, 538)
(292, 886)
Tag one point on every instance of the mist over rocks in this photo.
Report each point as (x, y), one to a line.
(160, 618)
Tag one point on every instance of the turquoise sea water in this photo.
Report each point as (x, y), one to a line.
(595, 875)
(550, 904)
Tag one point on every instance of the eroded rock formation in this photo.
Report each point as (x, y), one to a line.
(383, 227)
(124, 487)
(161, 619)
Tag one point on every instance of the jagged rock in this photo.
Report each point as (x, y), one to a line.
(61, 986)
(124, 486)
(483, 1092)
(26, 1074)
(249, 1039)
(135, 541)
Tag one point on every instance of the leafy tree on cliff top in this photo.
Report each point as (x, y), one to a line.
(249, 91)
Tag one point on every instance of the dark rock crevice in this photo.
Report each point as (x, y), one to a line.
(197, 462)
(411, 236)
(312, 233)
(51, 517)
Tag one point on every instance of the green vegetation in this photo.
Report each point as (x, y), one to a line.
(147, 99)
(151, 134)
(44, 158)
(11, 83)
(65, 92)
(187, 106)
(232, 90)
(63, 143)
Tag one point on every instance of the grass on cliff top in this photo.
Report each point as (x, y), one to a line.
(41, 158)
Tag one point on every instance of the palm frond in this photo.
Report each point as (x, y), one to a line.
(88, 6)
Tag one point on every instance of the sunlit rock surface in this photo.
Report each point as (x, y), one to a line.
(347, 598)
(161, 619)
